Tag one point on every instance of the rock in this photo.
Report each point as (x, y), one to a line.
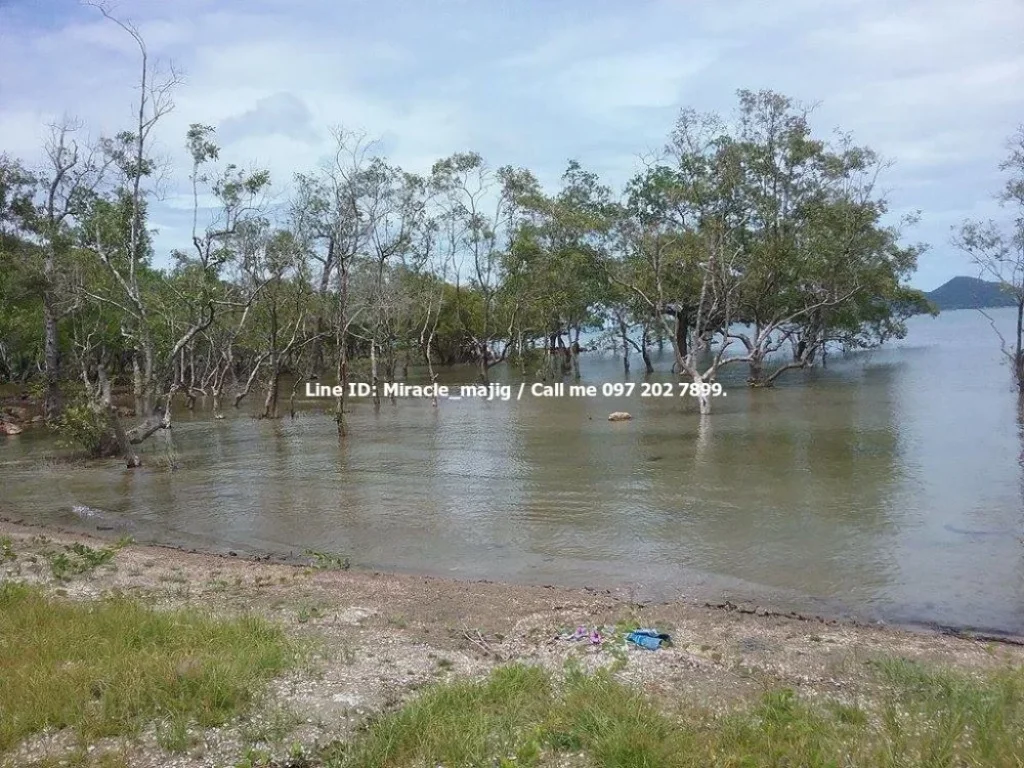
(6, 428)
(619, 416)
(17, 413)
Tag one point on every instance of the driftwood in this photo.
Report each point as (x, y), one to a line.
(477, 640)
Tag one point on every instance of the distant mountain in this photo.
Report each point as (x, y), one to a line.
(969, 293)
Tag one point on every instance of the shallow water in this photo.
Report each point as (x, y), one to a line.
(889, 485)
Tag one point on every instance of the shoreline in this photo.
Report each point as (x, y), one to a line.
(375, 640)
(620, 594)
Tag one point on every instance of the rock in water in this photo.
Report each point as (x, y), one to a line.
(619, 416)
(7, 428)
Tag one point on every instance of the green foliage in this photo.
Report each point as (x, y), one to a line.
(7, 553)
(84, 427)
(77, 559)
(754, 221)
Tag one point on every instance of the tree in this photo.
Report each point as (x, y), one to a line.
(998, 251)
(331, 219)
(681, 245)
(553, 267)
(20, 279)
(815, 251)
(484, 205)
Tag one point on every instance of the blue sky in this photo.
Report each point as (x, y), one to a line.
(936, 86)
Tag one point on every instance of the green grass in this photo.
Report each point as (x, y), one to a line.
(985, 713)
(463, 723)
(76, 559)
(522, 716)
(7, 549)
(328, 560)
(109, 667)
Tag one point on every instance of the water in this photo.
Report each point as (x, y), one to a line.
(888, 486)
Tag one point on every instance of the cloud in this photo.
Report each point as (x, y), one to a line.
(280, 114)
(932, 84)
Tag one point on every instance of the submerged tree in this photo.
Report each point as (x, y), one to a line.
(998, 250)
(745, 241)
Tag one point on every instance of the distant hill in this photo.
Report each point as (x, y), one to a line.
(969, 293)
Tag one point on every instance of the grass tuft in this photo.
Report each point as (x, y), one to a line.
(77, 559)
(106, 668)
(464, 723)
(7, 552)
(521, 716)
(328, 560)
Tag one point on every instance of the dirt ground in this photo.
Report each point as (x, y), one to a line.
(374, 639)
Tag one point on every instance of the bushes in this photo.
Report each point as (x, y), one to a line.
(85, 427)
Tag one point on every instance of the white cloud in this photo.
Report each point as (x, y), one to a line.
(932, 84)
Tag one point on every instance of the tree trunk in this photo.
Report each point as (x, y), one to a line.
(574, 353)
(484, 354)
(624, 331)
(1018, 352)
(703, 399)
(342, 343)
(757, 377)
(51, 354)
(645, 351)
(373, 374)
(317, 353)
(682, 331)
(270, 402)
(131, 458)
(138, 387)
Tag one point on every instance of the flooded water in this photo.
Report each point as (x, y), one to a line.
(889, 486)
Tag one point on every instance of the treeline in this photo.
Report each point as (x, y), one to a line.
(751, 224)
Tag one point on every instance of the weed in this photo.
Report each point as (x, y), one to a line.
(173, 735)
(270, 726)
(305, 613)
(328, 560)
(77, 559)
(255, 758)
(7, 552)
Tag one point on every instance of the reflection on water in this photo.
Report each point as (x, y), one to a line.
(889, 485)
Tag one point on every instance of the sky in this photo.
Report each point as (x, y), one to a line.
(934, 86)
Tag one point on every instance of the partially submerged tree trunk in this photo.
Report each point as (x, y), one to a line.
(645, 351)
(624, 333)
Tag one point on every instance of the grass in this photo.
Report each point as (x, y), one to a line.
(522, 716)
(328, 560)
(76, 559)
(463, 723)
(109, 667)
(7, 552)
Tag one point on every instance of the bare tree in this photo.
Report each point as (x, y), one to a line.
(126, 256)
(998, 251)
(484, 202)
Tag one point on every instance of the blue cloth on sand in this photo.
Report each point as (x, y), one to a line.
(651, 639)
